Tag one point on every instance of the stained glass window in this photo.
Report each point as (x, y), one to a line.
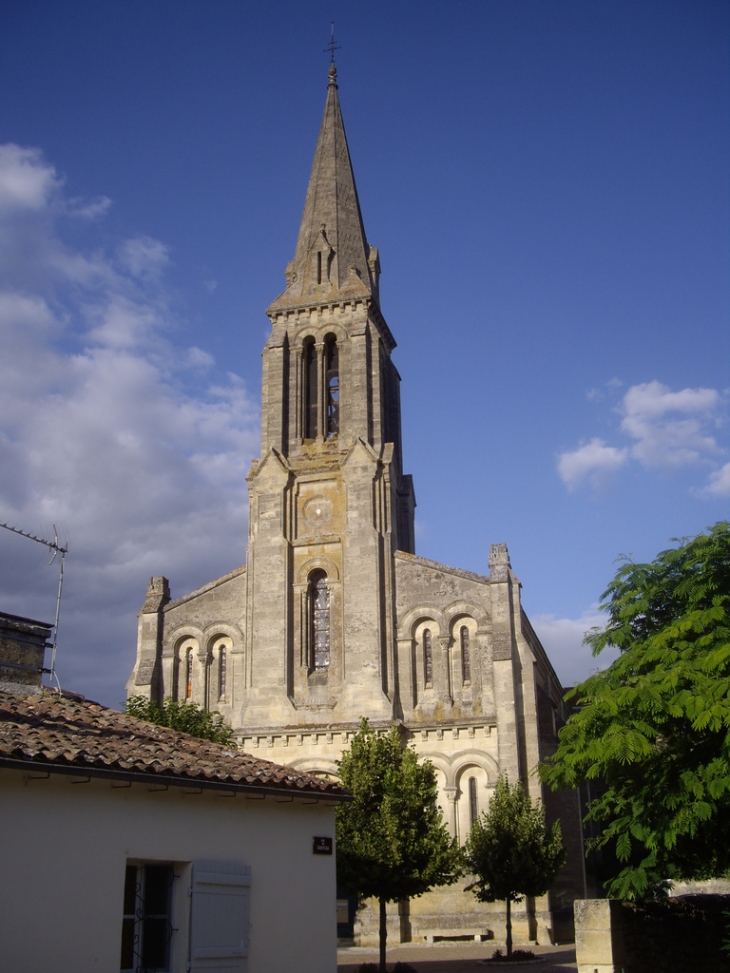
(222, 672)
(189, 674)
(465, 661)
(320, 613)
(427, 657)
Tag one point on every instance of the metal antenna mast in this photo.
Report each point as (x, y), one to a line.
(57, 549)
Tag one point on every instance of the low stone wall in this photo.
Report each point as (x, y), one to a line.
(674, 935)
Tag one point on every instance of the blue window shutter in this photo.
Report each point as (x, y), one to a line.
(219, 917)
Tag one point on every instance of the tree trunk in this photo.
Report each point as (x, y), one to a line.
(383, 934)
(509, 929)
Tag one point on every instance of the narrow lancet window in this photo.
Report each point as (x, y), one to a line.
(222, 672)
(473, 801)
(427, 658)
(319, 599)
(465, 660)
(310, 390)
(333, 387)
(189, 674)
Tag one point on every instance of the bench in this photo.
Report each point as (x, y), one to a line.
(471, 933)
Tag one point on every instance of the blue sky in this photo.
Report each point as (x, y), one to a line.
(548, 186)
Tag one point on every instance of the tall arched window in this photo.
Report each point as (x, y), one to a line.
(473, 800)
(189, 674)
(222, 662)
(319, 612)
(309, 377)
(465, 660)
(332, 386)
(427, 657)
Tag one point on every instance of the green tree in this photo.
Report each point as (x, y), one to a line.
(511, 850)
(654, 728)
(187, 717)
(392, 843)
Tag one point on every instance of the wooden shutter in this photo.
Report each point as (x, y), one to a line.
(219, 917)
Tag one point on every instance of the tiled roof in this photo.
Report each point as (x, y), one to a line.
(52, 732)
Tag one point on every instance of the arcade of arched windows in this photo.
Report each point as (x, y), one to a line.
(203, 677)
(448, 664)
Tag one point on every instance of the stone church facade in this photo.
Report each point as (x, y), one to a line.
(334, 616)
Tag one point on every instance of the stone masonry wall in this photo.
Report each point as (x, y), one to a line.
(675, 935)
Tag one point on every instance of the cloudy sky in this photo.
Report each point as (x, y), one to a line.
(548, 186)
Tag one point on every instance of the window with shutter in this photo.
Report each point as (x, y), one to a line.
(219, 917)
(147, 928)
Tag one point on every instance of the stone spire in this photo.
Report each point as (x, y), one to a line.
(333, 259)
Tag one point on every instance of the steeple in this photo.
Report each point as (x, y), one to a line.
(333, 258)
(330, 388)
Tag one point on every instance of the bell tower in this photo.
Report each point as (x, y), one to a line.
(329, 502)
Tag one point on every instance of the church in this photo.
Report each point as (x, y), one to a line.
(334, 616)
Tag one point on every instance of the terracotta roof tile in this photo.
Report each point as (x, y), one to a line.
(66, 733)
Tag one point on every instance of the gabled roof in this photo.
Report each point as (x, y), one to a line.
(47, 731)
(332, 253)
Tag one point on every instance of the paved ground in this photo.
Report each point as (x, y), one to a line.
(459, 958)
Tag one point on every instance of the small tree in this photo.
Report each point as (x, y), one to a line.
(392, 843)
(654, 727)
(187, 717)
(511, 850)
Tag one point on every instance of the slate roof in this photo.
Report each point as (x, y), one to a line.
(48, 731)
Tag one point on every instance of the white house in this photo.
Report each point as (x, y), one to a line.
(128, 846)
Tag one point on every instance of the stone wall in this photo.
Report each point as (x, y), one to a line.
(675, 935)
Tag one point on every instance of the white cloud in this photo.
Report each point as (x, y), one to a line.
(719, 483)
(26, 181)
(101, 434)
(144, 257)
(670, 428)
(197, 358)
(563, 641)
(89, 209)
(597, 395)
(120, 322)
(666, 429)
(594, 462)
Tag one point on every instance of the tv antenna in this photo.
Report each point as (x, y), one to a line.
(57, 549)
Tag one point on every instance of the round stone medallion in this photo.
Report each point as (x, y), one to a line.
(318, 511)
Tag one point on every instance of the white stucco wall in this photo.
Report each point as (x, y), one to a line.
(65, 847)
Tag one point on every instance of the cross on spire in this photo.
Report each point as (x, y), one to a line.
(332, 46)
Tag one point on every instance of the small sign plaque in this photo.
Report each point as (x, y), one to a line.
(322, 846)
